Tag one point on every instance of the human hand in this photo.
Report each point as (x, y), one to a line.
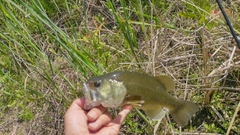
(97, 121)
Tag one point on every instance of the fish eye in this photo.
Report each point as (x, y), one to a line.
(96, 84)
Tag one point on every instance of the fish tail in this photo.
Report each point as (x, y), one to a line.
(183, 113)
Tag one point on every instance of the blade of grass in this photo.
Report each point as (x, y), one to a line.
(62, 38)
(124, 27)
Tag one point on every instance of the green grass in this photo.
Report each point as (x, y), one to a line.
(49, 48)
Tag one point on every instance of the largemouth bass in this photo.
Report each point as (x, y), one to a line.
(142, 91)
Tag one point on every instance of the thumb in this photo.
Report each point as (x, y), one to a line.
(118, 120)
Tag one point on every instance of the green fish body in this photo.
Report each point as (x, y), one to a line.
(142, 91)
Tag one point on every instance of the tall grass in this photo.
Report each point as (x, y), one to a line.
(34, 52)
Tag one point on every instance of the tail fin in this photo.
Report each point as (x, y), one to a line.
(183, 113)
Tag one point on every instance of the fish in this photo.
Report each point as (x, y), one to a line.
(149, 93)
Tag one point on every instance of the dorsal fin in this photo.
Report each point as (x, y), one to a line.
(167, 82)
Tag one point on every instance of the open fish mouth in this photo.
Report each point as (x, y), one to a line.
(90, 98)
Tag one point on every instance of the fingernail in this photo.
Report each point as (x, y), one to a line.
(92, 126)
(91, 116)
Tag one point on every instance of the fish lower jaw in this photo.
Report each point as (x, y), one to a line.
(90, 105)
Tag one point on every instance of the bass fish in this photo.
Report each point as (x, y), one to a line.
(142, 91)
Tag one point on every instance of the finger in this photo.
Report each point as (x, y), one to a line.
(77, 104)
(104, 119)
(122, 115)
(75, 117)
(75, 108)
(96, 112)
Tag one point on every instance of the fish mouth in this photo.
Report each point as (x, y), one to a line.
(91, 99)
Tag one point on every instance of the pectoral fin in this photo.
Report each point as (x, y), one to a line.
(133, 100)
(167, 82)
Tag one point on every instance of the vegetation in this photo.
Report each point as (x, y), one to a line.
(48, 48)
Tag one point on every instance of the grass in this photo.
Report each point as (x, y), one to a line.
(49, 48)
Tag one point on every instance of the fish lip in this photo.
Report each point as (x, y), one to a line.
(90, 97)
(89, 105)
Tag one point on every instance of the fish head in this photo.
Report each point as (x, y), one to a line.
(104, 91)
